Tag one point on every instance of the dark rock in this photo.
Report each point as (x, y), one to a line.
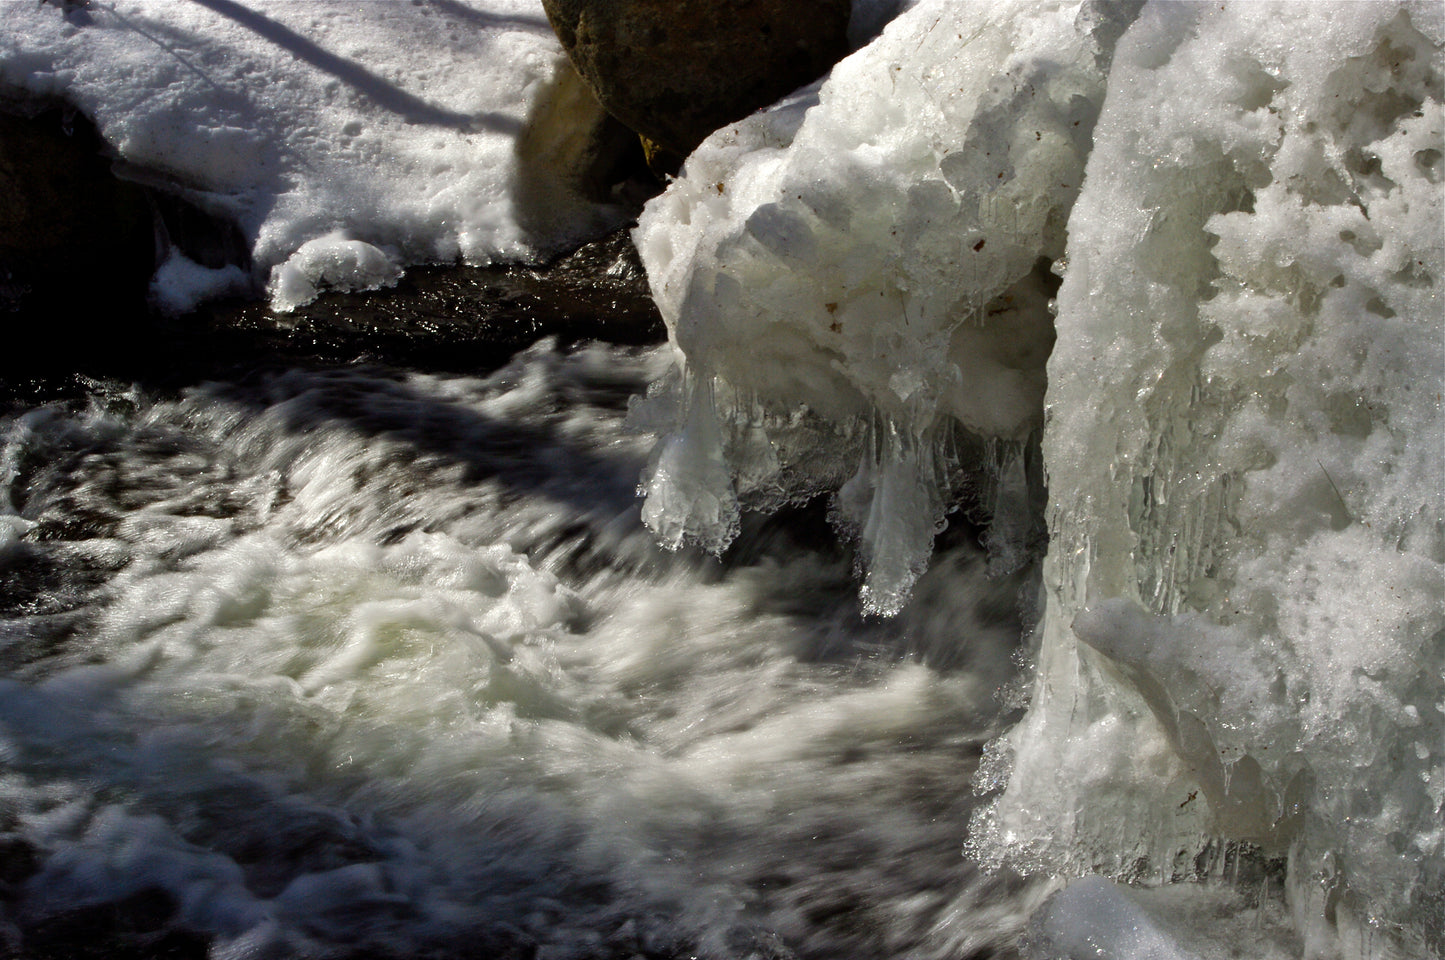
(77, 245)
(438, 319)
(140, 927)
(450, 318)
(569, 145)
(676, 70)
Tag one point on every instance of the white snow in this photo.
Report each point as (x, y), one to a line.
(332, 261)
(399, 125)
(180, 283)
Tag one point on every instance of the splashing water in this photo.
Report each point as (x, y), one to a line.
(375, 663)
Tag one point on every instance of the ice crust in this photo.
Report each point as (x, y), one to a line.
(1242, 432)
(332, 261)
(428, 129)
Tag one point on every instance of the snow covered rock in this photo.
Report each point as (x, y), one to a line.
(75, 242)
(396, 125)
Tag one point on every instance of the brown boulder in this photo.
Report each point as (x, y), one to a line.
(676, 70)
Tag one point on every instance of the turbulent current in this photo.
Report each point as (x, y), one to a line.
(384, 664)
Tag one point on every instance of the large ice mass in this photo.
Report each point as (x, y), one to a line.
(1242, 429)
(869, 253)
(1244, 447)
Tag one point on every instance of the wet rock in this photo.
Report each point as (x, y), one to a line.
(449, 318)
(18, 862)
(676, 70)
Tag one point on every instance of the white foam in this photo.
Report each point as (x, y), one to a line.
(392, 662)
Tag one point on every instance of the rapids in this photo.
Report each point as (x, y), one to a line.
(371, 662)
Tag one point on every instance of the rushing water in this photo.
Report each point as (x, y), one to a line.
(382, 663)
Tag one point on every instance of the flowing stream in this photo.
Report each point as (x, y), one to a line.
(371, 662)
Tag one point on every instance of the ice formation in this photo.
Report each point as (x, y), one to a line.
(299, 121)
(332, 261)
(1093, 918)
(1242, 430)
(1244, 443)
(868, 252)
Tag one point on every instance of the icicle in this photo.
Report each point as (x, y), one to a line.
(1008, 530)
(690, 494)
(904, 513)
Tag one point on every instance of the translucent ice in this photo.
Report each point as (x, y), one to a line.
(1096, 919)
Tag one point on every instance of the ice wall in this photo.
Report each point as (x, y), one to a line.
(344, 139)
(868, 253)
(1243, 433)
(1244, 448)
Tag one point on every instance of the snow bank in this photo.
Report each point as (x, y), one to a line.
(1243, 432)
(403, 126)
